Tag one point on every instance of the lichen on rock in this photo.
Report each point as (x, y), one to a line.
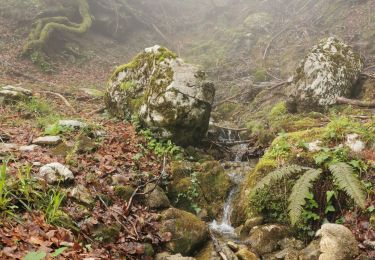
(329, 71)
(167, 95)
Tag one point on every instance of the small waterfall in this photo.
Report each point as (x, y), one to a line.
(224, 227)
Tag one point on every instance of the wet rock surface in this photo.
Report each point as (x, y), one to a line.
(265, 239)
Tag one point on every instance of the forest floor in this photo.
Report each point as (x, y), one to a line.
(32, 222)
(96, 155)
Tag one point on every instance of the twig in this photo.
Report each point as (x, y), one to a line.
(342, 100)
(66, 102)
(217, 246)
(97, 111)
(136, 193)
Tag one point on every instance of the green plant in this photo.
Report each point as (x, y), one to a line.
(192, 193)
(26, 190)
(280, 148)
(278, 110)
(35, 256)
(162, 147)
(53, 212)
(35, 106)
(54, 129)
(342, 174)
(4, 192)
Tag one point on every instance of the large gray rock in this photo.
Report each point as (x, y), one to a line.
(337, 242)
(329, 71)
(167, 95)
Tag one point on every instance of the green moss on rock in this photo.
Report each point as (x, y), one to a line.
(189, 233)
(213, 186)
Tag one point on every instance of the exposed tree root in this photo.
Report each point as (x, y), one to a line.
(66, 102)
(342, 100)
(46, 26)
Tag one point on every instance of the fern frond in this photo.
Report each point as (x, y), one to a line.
(276, 175)
(300, 192)
(347, 181)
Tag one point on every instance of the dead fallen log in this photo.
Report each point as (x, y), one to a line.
(354, 102)
(236, 142)
(230, 129)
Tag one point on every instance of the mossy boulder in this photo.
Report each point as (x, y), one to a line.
(329, 71)
(189, 233)
(170, 97)
(156, 198)
(199, 186)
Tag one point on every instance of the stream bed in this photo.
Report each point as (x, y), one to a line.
(221, 229)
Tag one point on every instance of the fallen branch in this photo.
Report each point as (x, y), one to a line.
(237, 142)
(231, 129)
(217, 246)
(136, 193)
(66, 102)
(354, 102)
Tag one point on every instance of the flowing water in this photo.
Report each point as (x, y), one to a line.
(237, 172)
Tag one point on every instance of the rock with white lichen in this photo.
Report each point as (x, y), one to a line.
(54, 173)
(10, 94)
(329, 71)
(170, 97)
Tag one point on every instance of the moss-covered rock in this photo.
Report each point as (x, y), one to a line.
(189, 233)
(199, 185)
(156, 198)
(329, 71)
(124, 192)
(167, 95)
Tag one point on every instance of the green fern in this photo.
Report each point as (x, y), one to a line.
(276, 175)
(347, 181)
(300, 192)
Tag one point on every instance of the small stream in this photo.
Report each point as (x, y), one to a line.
(236, 171)
(221, 229)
